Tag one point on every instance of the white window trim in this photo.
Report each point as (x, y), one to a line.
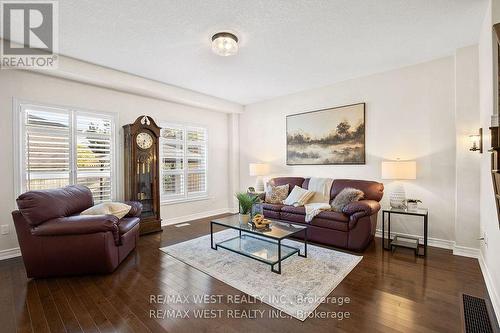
(185, 197)
(18, 106)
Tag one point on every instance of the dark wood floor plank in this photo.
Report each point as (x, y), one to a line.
(7, 316)
(388, 292)
(52, 316)
(19, 295)
(38, 321)
(102, 323)
(67, 315)
(83, 316)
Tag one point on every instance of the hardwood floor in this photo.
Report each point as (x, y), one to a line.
(388, 293)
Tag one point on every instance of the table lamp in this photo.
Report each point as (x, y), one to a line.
(258, 170)
(399, 170)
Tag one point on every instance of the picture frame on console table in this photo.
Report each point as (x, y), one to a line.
(332, 136)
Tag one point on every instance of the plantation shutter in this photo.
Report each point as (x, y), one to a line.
(196, 156)
(183, 162)
(46, 151)
(93, 155)
(61, 147)
(172, 163)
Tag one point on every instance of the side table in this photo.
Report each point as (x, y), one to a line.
(400, 240)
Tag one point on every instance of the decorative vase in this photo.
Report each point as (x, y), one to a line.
(412, 206)
(244, 218)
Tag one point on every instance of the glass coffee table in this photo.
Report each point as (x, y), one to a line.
(263, 245)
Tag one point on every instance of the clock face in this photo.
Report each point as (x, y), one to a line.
(144, 140)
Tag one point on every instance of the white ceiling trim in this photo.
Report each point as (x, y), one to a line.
(84, 72)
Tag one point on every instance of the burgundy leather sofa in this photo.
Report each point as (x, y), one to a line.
(55, 240)
(353, 229)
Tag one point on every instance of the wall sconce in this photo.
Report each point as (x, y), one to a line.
(477, 141)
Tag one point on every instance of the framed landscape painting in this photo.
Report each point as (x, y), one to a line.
(329, 136)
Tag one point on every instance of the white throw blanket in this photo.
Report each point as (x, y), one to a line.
(321, 199)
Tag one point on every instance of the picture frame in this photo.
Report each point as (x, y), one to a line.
(330, 136)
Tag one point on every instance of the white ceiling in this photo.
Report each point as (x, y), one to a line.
(286, 46)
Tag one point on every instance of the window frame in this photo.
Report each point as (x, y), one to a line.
(185, 197)
(19, 131)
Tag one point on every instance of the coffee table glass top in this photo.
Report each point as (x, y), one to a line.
(276, 230)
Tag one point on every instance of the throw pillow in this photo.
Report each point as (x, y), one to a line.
(276, 194)
(117, 209)
(345, 197)
(298, 197)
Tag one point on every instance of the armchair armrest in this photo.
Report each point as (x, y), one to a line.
(359, 209)
(136, 209)
(79, 225)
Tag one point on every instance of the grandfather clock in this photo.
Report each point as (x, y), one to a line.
(142, 170)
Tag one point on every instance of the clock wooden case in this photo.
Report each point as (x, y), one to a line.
(142, 170)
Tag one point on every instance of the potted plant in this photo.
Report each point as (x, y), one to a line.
(246, 201)
(412, 204)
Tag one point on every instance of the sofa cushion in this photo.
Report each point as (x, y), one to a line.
(127, 223)
(42, 205)
(327, 214)
(372, 190)
(334, 216)
(291, 181)
(326, 219)
(330, 224)
(273, 207)
(78, 225)
(294, 210)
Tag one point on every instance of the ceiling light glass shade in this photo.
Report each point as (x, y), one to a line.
(225, 44)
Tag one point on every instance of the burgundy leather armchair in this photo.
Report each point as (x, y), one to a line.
(55, 240)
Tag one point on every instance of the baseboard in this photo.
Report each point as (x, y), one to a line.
(190, 217)
(490, 286)
(10, 253)
(436, 242)
(466, 251)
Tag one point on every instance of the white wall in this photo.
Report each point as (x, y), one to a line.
(410, 114)
(467, 162)
(44, 89)
(489, 221)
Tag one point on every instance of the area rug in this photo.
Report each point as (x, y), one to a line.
(302, 285)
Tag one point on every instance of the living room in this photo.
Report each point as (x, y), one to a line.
(260, 166)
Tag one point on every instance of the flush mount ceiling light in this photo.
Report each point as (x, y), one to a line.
(225, 44)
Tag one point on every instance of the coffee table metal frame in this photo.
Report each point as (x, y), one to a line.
(243, 233)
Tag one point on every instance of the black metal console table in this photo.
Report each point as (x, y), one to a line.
(403, 241)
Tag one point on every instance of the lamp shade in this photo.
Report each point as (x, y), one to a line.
(258, 169)
(399, 170)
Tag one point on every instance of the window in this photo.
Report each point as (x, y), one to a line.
(183, 154)
(62, 146)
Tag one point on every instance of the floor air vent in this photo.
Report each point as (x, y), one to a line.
(476, 315)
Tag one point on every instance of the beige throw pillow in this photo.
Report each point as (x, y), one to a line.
(276, 194)
(298, 197)
(117, 209)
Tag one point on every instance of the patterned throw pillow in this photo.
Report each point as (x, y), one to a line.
(345, 197)
(276, 194)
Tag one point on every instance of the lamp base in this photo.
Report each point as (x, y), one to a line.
(259, 184)
(397, 198)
